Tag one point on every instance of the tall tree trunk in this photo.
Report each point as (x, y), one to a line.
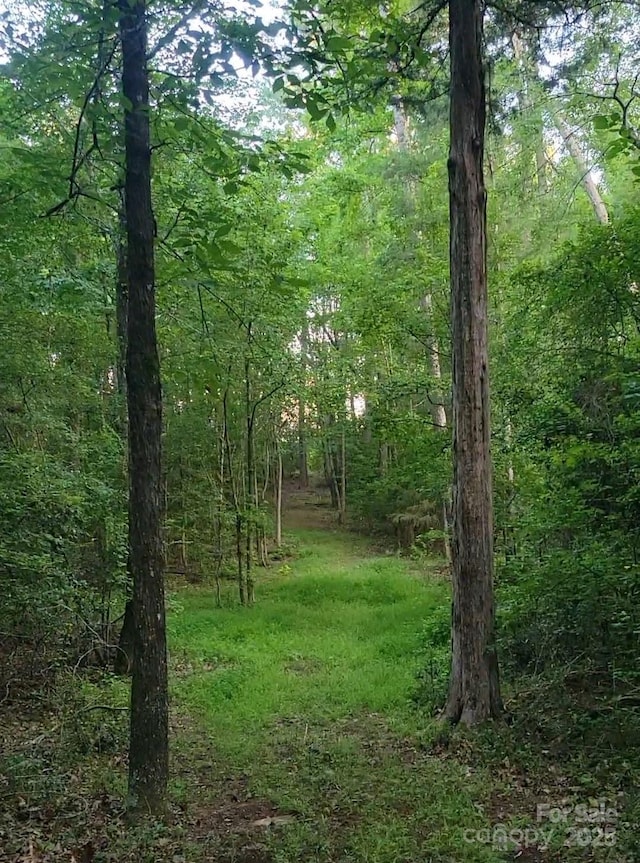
(303, 462)
(235, 496)
(219, 551)
(278, 488)
(342, 515)
(149, 748)
(251, 502)
(242, 595)
(474, 692)
(123, 658)
(586, 175)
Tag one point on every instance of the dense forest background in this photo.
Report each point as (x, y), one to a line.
(302, 268)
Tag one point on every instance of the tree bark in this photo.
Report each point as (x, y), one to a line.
(342, 515)
(330, 471)
(474, 692)
(219, 551)
(122, 318)
(251, 502)
(123, 658)
(303, 462)
(438, 412)
(148, 749)
(586, 176)
(235, 496)
(278, 485)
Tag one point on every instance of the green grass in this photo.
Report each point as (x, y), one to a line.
(316, 704)
(307, 698)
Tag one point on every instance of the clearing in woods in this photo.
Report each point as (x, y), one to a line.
(314, 748)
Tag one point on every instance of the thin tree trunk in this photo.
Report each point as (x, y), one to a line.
(326, 423)
(438, 415)
(241, 582)
(267, 473)
(343, 478)
(542, 164)
(303, 462)
(586, 175)
(218, 517)
(278, 484)
(474, 693)
(383, 460)
(123, 658)
(122, 321)
(250, 483)
(261, 540)
(149, 748)
(438, 412)
(236, 503)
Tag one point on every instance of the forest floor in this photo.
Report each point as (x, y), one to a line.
(299, 735)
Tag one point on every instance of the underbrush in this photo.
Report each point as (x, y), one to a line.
(63, 779)
(62, 765)
(564, 766)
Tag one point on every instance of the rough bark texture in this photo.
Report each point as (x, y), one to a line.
(122, 317)
(474, 694)
(148, 751)
(124, 655)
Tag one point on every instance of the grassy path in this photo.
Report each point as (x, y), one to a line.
(306, 703)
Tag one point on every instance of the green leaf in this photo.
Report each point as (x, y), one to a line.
(181, 123)
(338, 44)
(294, 101)
(230, 248)
(315, 111)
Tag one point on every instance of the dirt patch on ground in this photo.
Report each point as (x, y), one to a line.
(307, 508)
(229, 817)
(236, 827)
